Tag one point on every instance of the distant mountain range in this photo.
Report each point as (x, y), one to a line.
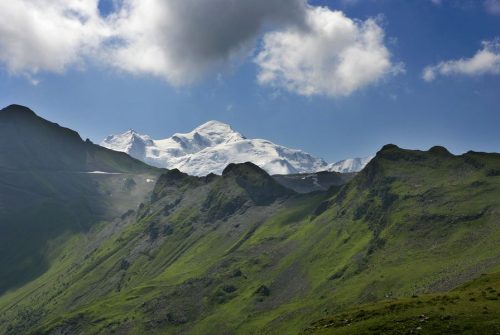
(212, 146)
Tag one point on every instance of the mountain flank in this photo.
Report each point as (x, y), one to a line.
(48, 188)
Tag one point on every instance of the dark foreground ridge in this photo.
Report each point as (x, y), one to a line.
(47, 190)
(29, 142)
(17, 111)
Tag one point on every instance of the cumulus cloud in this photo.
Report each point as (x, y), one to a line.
(333, 55)
(180, 40)
(485, 61)
(176, 40)
(308, 50)
(48, 35)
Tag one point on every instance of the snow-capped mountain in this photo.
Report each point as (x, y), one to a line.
(349, 165)
(210, 148)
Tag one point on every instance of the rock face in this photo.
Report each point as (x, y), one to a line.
(210, 148)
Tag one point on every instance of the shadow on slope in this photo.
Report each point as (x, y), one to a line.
(46, 189)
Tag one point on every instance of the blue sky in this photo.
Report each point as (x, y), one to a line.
(459, 108)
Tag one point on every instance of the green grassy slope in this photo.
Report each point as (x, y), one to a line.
(473, 308)
(239, 254)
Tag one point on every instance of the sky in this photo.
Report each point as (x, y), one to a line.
(336, 78)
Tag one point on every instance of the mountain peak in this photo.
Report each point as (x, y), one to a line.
(389, 147)
(17, 110)
(257, 183)
(218, 132)
(129, 135)
(440, 150)
(214, 125)
(237, 168)
(36, 143)
(131, 132)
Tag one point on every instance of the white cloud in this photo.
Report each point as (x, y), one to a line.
(182, 40)
(485, 61)
(334, 55)
(492, 6)
(48, 35)
(308, 50)
(176, 40)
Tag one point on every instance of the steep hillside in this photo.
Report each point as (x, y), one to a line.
(50, 185)
(240, 254)
(188, 227)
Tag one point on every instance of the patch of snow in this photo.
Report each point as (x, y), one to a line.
(100, 172)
